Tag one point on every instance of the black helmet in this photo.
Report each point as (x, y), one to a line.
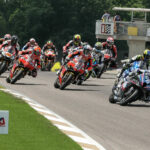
(14, 40)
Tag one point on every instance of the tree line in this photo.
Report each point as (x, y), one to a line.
(58, 20)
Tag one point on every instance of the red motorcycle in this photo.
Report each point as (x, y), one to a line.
(49, 59)
(70, 72)
(23, 66)
(106, 61)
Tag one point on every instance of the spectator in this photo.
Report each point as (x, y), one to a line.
(116, 24)
(117, 18)
(106, 17)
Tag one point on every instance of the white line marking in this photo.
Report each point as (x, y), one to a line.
(80, 140)
(87, 149)
(44, 111)
(67, 128)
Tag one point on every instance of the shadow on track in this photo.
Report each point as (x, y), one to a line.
(69, 89)
(108, 78)
(91, 85)
(138, 105)
(3, 76)
(29, 84)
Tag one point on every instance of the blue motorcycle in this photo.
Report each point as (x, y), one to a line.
(116, 94)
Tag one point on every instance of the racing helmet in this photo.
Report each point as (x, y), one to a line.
(98, 45)
(110, 41)
(87, 49)
(32, 41)
(36, 51)
(49, 43)
(7, 37)
(146, 54)
(76, 39)
(14, 40)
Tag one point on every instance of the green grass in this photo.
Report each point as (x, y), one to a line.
(29, 130)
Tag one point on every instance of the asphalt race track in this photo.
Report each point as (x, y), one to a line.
(114, 127)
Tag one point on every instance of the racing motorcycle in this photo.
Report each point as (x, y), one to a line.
(121, 77)
(6, 58)
(70, 72)
(49, 59)
(106, 61)
(135, 87)
(131, 86)
(96, 72)
(21, 67)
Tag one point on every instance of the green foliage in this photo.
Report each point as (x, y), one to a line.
(59, 20)
(3, 25)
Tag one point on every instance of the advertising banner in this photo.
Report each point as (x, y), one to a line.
(103, 28)
(4, 118)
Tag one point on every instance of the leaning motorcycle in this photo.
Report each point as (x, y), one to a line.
(22, 67)
(70, 72)
(6, 58)
(120, 78)
(135, 87)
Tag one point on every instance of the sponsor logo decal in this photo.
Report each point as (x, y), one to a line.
(2, 122)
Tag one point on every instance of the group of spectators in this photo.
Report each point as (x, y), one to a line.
(107, 18)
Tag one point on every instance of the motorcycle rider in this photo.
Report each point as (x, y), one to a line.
(109, 44)
(31, 43)
(49, 45)
(144, 61)
(13, 42)
(145, 58)
(97, 55)
(34, 54)
(76, 42)
(5, 38)
(85, 52)
(86, 56)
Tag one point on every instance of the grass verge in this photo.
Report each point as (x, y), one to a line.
(29, 130)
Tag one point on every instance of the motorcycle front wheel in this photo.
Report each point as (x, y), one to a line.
(66, 80)
(111, 98)
(56, 83)
(17, 76)
(129, 96)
